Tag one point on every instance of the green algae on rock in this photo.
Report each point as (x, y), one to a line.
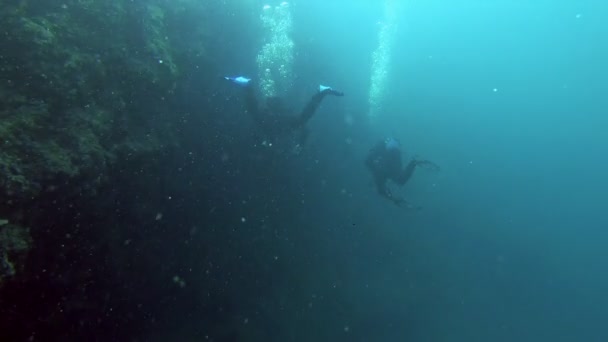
(15, 242)
(75, 77)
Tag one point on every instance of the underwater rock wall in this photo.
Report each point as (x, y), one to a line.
(121, 185)
(14, 244)
(70, 75)
(86, 91)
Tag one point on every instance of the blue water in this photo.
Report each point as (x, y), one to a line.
(189, 228)
(509, 98)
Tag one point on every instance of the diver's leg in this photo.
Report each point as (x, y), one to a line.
(251, 103)
(309, 110)
(312, 105)
(381, 187)
(302, 135)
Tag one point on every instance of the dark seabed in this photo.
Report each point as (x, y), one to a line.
(142, 199)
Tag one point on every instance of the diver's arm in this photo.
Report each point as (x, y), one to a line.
(427, 164)
(407, 173)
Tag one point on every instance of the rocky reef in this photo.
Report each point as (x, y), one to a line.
(86, 100)
(15, 241)
(72, 78)
(122, 176)
(83, 82)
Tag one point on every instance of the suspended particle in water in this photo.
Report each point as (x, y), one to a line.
(579, 15)
(495, 90)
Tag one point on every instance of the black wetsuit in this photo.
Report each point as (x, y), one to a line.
(273, 124)
(386, 164)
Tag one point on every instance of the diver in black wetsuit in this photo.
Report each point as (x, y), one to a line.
(272, 119)
(384, 162)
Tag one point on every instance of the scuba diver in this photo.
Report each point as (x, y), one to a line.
(274, 120)
(384, 162)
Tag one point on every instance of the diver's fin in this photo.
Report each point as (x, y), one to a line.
(240, 80)
(330, 90)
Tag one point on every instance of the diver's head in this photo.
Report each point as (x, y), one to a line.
(392, 144)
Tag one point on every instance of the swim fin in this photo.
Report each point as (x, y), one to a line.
(240, 80)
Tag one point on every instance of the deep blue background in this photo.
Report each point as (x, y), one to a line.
(511, 242)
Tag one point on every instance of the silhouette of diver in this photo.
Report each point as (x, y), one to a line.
(384, 162)
(274, 119)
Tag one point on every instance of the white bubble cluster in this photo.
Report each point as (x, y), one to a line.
(275, 59)
(381, 59)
